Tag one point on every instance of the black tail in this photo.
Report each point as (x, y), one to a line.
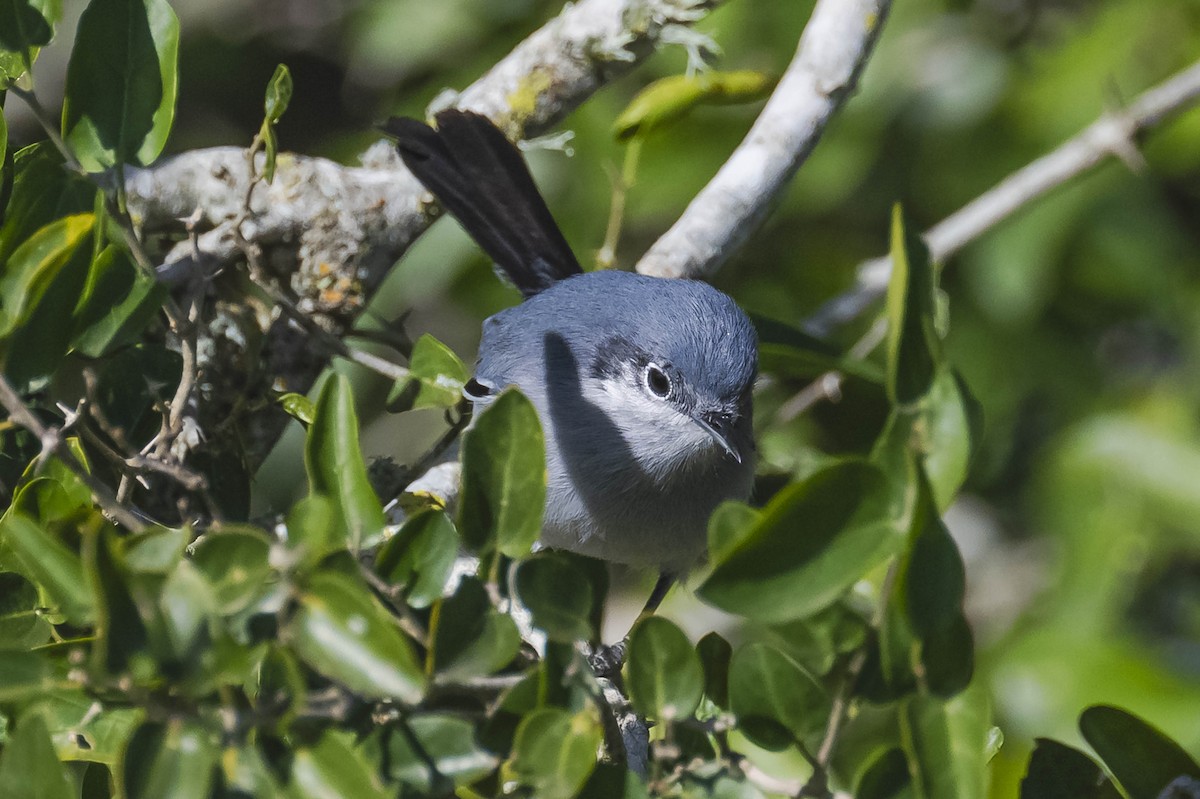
(481, 178)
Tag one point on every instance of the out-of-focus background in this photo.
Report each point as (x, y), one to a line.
(1076, 324)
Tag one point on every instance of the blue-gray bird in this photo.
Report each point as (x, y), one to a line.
(642, 385)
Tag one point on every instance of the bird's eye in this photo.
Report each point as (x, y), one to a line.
(657, 381)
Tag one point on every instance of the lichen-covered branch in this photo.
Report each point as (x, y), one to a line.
(1112, 135)
(833, 49)
(325, 234)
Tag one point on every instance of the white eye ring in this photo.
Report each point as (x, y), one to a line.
(657, 381)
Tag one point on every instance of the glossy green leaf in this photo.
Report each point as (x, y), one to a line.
(118, 303)
(1140, 756)
(947, 744)
(435, 378)
(445, 755)
(729, 525)
(662, 671)
(473, 639)
(21, 622)
(775, 700)
(558, 594)
(503, 478)
(25, 27)
(33, 266)
(278, 95)
(813, 541)
(932, 581)
(715, 653)
(333, 768)
(79, 732)
(186, 603)
(667, 99)
(299, 407)
(555, 751)
(334, 461)
(121, 83)
(175, 759)
(236, 563)
(246, 774)
(951, 427)
(344, 633)
(819, 641)
(29, 766)
(157, 550)
(913, 345)
(50, 564)
(419, 556)
(313, 528)
(43, 191)
(1057, 770)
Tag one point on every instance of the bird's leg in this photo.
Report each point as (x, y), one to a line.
(606, 660)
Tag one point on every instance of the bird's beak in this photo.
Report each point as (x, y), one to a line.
(718, 437)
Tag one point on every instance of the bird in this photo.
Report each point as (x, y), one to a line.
(643, 385)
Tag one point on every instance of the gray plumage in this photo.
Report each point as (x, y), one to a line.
(642, 385)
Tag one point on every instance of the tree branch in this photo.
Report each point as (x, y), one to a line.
(1112, 134)
(356, 221)
(833, 49)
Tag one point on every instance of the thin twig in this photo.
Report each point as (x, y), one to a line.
(52, 441)
(828, 386)
(1112, 135)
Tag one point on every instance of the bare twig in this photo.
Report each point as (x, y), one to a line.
(833, 49)
(52, 442)
(1113, 134)
(828, 386)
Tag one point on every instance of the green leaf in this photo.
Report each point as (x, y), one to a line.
(32, 267)
(279, 94)
(443, 756)
(118, 303)
(715, 653)
(79, 732)
(947, 744)
(313, 529)
(662, 671)
(25, 27)
(298, 406)
(668, 99)
(950, 431)
(729, 525)
(186, 603)
(558, 594)
(813, 541)
(156, 551)
(50, 564)
(175, 759)
(236, 562)
(435, 378)
(420, 556)
(43, 191)
(1057, 770)
(503, 478)
(471, 638)
(21, 622)
(612, 781)
(334, 768)
(29, 766)
(121, 636)
(247, 774)
(1140, 756)
(913, 345)
(24, 675)
(555, 751)
(334, 461)
(775, 700)
(344, 633)
(885, 778)
(932, 581)
(121, 83)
